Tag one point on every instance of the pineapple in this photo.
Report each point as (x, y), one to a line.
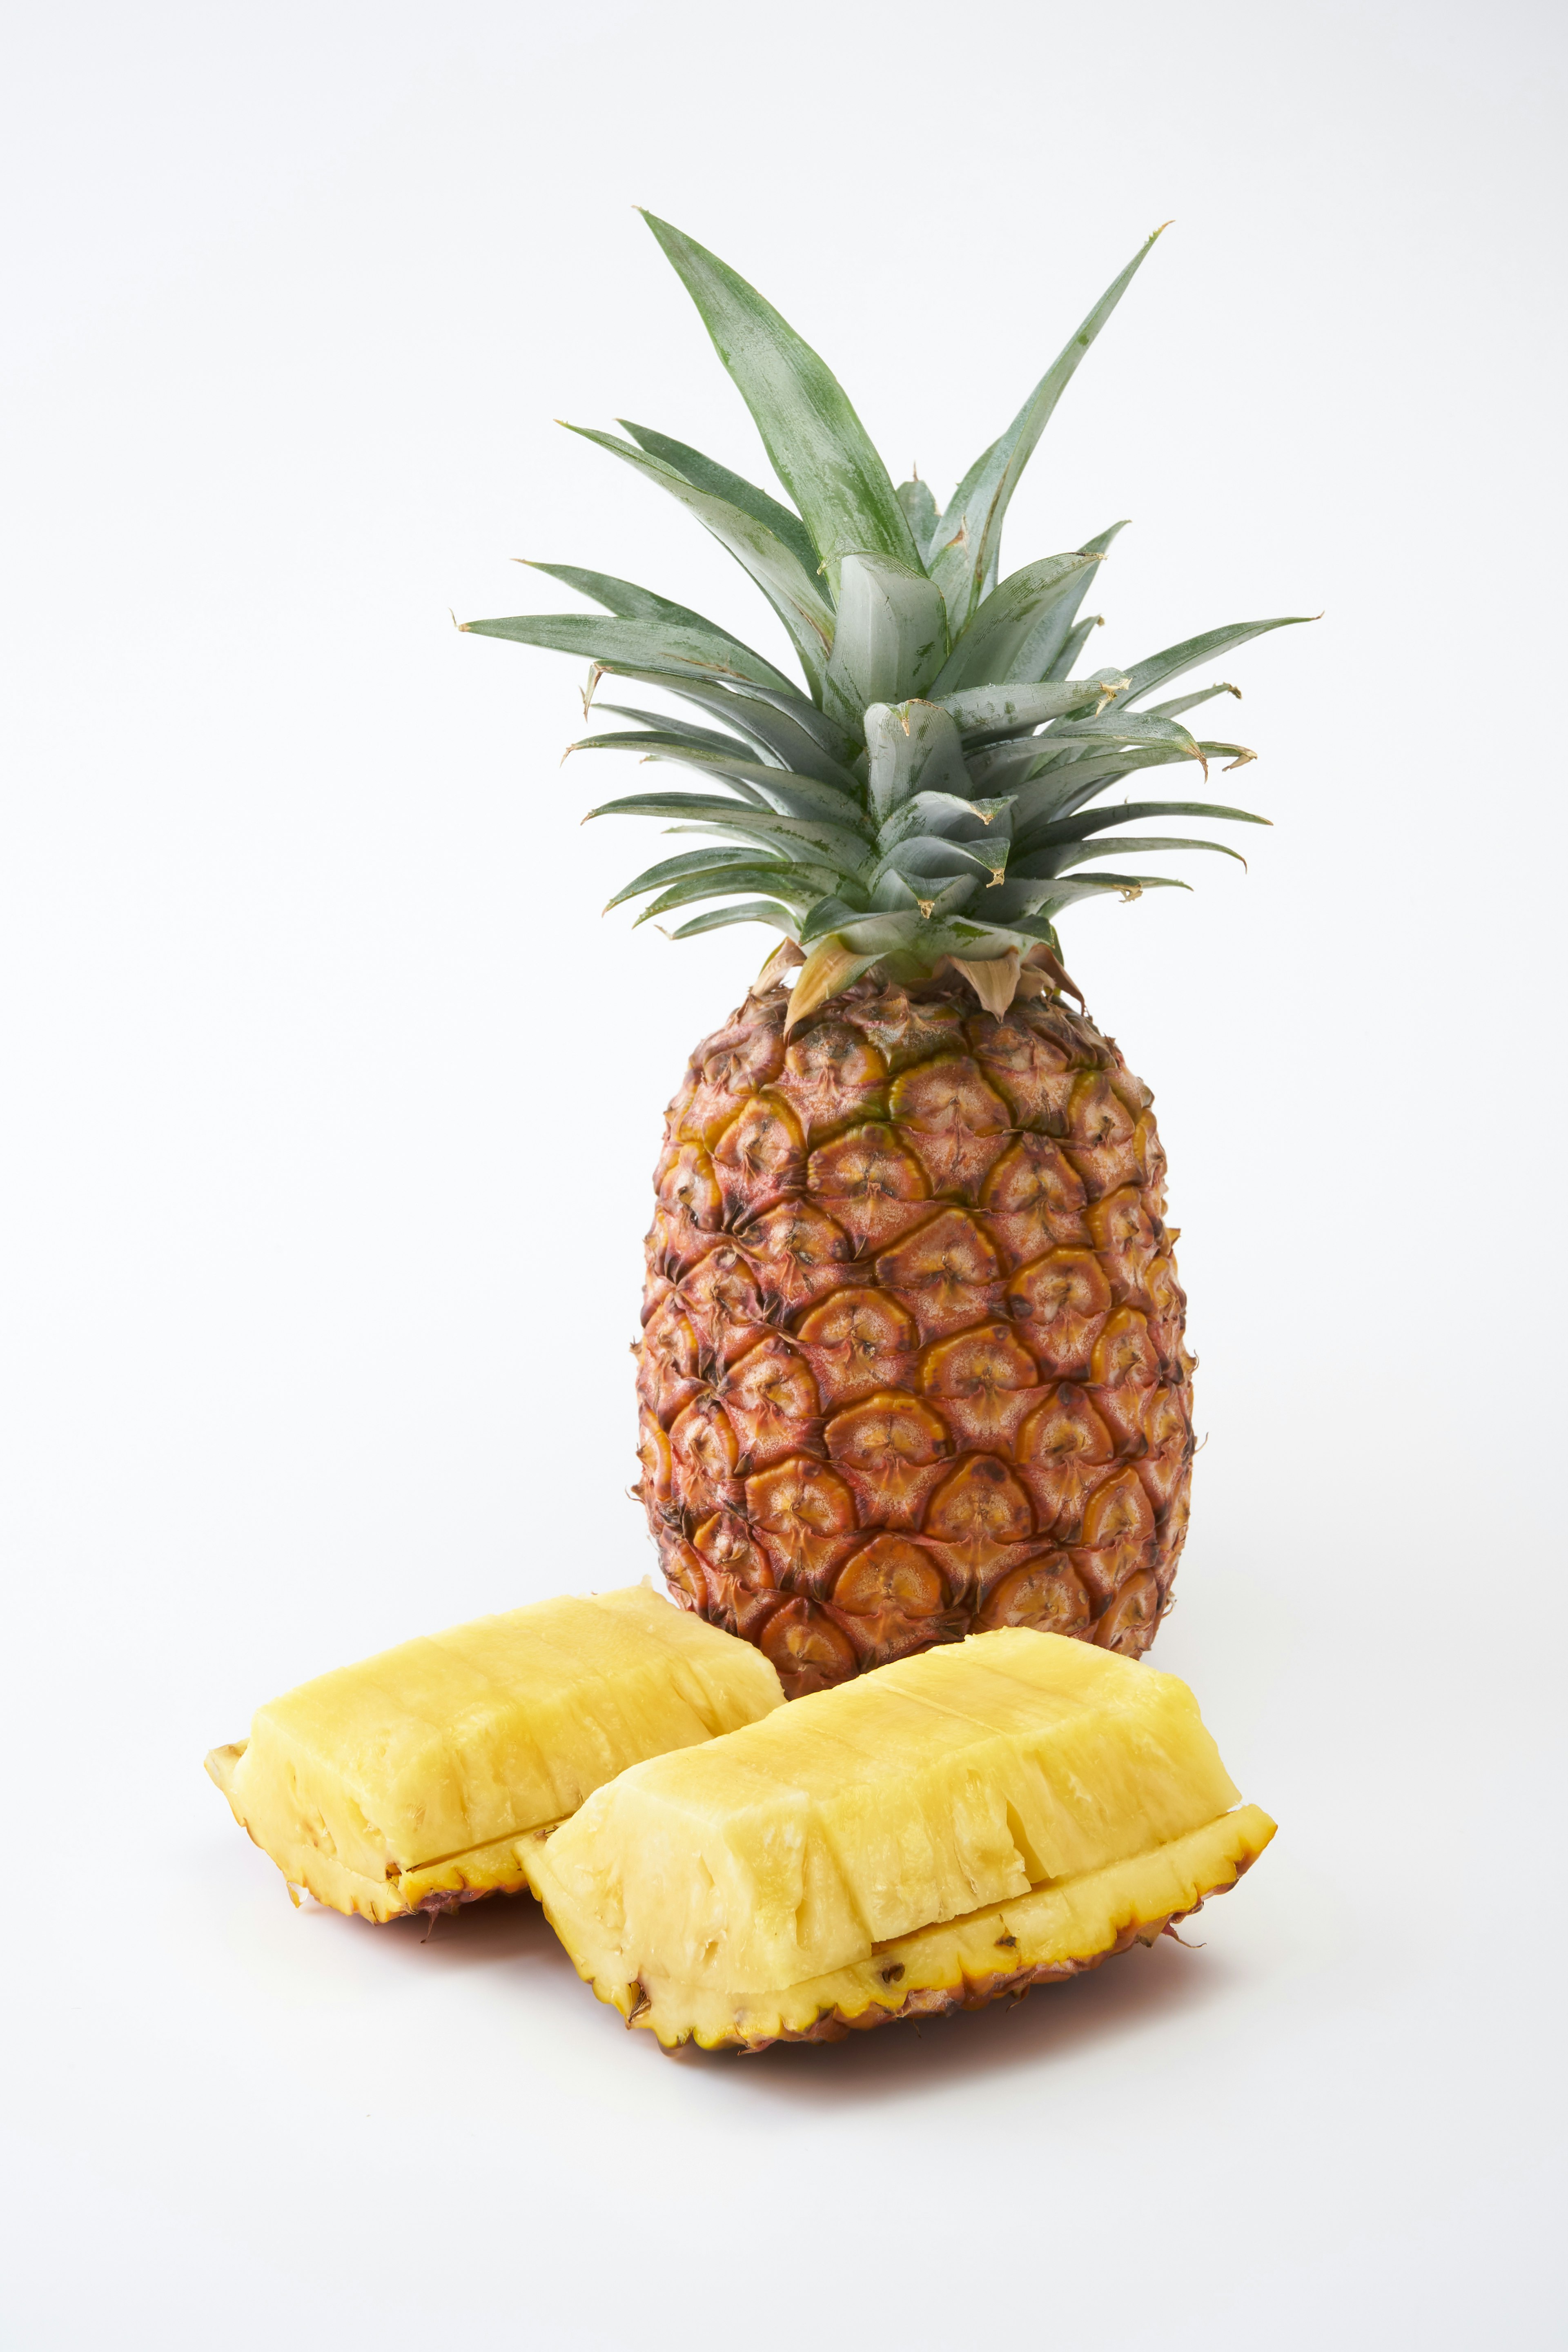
(961, 1825)
(913, 1360)
(404, 1783)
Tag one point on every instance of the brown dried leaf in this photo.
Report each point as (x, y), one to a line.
(994, 981)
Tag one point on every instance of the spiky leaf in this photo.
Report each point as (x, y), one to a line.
(1067, 854)
(691, 861)
(891, 637)
(661, 734)
(969, 534)
(789, 588)
(782, 724)
(1161, 667)
(750, 910)
(788, 883)
(799, 796)
(706, 474)
(843, 850)
(920, 512)
(990, 709)
(999, 644)
(819, 448)
(1077, 828)
(911, 746)
(676, 649)
(1183, 702)
(1073, 644)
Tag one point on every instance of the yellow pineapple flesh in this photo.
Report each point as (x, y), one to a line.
(405, 1782)
(964, 1823)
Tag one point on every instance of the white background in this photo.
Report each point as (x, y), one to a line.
(330, 1103)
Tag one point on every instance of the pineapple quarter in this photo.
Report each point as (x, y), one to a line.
(1050, 1798)
(404, 1782)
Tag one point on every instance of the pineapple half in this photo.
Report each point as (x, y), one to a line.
(965, 1824)
(405, 1783)
(912, 1362)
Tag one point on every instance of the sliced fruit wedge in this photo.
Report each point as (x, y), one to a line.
(986, 1816)
(405, 1783)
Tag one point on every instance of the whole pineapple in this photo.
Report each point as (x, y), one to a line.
(913, 1360)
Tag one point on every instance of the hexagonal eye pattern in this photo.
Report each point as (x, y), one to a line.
(913, 1361)
(947, 1274)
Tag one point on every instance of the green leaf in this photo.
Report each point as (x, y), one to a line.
(1120, 725)
(1235, 755)
(797, 796)
(877, 934)
(1043, 658)
(751, 910)
(658, 728)
(999, 643)
(1011, 763)
(965, 935)
(621, 597)
(793, 888)
(977, 812)
(706, 474)
(919, 511)
(987, 710)
(789, 588)
(1181, 702)
(970, 534)
(1064, 786)
(679, 750)
(1070, 854)
(866, 935)
(890, 892)
(844, 851)
(953, 814)
(890, 639)
(785, 725)
(639, 645)
(826, 916)
(911, 746)
(819, 446)
(1078, 827)
(935, 857)
(691, 861)
(1068, 892)
(1161, 667)
(1074, 644)
(959, 504)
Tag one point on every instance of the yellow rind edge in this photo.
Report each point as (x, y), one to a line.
(1066, 1924)
(494, 1869)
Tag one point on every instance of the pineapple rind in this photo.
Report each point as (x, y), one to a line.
(405, 1782)
(1058, 1930)
(494, 1869)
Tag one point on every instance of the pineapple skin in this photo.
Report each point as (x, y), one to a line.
(912, 1362)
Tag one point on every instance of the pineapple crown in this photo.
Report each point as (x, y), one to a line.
(925, 802)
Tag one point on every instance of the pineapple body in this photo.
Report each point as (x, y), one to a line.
(912, 1358)
(912, 1362)
(961, 1824)
(404, 1782)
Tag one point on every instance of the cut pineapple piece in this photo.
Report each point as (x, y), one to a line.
(962, 1824)
(405, 1782)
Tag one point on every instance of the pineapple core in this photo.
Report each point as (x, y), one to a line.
(966, 1822)
(405, 1782)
